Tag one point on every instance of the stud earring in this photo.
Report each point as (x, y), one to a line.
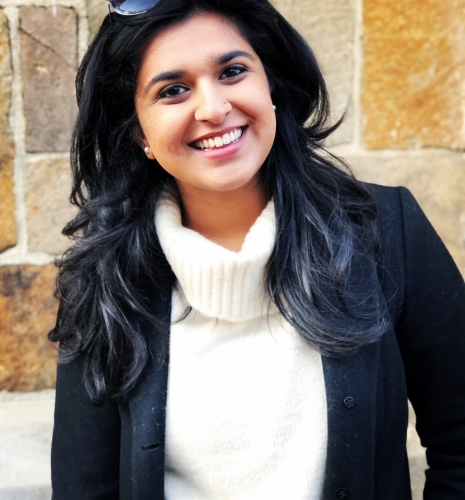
(274, 107)
(147, 150)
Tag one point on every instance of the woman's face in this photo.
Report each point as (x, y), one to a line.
(204, 105)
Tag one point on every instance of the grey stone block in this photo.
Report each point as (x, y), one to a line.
(30, 493)
(48, 186)
(48, 39)
(26, 424)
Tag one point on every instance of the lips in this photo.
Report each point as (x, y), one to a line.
(218, 141)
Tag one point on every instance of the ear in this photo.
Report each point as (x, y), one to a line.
(143, 143)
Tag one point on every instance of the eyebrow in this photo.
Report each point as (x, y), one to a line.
(162, 77)
(177, 74)
(224, 58)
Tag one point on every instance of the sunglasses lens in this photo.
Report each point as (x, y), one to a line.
(132, 7)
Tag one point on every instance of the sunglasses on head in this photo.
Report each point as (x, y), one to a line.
(131, 7)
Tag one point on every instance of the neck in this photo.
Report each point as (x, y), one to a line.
(223, 217)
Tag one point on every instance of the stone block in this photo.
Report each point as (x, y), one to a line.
(48, 37)
(27, 313)
(48, 186)
(96, 11)
(328, 26)
(7, 199)
(26, 426)
(414, 68)
(438, 183)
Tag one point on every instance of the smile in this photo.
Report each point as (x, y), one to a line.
(219, 141)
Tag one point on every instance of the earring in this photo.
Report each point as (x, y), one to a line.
(274, 107)
(147, 150)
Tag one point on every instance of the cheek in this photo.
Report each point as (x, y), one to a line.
(266, 123)
(262, 109)
(164, 133)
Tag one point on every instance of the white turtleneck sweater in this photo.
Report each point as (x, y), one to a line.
(246, 409)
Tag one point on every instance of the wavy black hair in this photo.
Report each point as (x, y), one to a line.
(326, 220)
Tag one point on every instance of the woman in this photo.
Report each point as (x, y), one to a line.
(240, 318)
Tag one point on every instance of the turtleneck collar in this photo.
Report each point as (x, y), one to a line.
(216, 281)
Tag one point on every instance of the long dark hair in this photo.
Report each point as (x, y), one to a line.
(322, 272)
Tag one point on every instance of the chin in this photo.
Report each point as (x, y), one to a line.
(234, 184)
(236, 178)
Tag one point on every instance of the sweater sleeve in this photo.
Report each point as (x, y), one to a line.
(86, 441)
(431, 336)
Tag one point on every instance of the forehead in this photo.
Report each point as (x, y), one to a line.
(196, 40)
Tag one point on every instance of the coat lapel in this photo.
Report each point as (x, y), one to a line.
(147, 408)
(351, 399)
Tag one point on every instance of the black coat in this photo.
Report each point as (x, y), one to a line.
(117, 451)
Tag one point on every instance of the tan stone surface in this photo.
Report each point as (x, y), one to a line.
(48, 186)
(436, 181)
(7, 200)
(414, 68)
(48, 39)
(27, 313)
(328, 27)
(96, 11)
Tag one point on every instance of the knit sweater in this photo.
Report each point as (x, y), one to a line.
(246, 408)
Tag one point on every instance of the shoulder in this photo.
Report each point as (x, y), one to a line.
(401, 219)
(402, 222)
(393, 203)
(413, 255)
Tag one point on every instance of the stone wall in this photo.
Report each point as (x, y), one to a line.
(40, 45)
(396, 69)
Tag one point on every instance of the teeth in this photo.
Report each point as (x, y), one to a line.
(217, 142)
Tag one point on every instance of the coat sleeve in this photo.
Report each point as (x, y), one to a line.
(86, 441)
(431, 336)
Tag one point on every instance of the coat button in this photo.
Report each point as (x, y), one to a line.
(349, 402)
(150, 447)
(342, 493)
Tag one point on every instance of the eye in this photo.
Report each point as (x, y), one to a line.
(172, 91)
(232, 71)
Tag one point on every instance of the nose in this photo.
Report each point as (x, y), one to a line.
(211, 104)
